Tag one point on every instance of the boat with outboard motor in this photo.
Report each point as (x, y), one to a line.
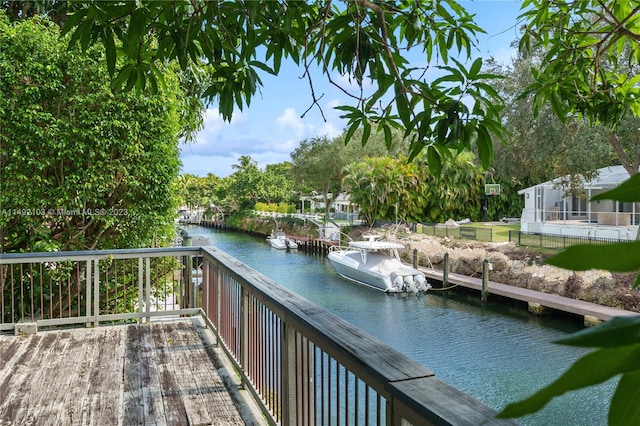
(376, 263)
(279, 240)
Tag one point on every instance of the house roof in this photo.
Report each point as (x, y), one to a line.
(608, 177)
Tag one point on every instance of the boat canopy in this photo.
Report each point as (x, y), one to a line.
(371, 243)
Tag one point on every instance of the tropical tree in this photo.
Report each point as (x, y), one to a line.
(550, 147)
(588, 46)
(394, 189)
(625, 140)
(317, 165)
(82, 167)
(240, 191)
(364, 40)
(276, 185)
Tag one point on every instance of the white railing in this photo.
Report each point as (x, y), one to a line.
(555, 214)
(61, 288)
(303, 364)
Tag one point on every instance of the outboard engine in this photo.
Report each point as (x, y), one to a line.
(408, 280)
(420, 281)
(398, 283)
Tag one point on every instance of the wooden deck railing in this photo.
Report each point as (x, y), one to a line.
(304, 365)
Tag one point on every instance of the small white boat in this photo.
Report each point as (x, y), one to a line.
(377, 264)
(280, 241)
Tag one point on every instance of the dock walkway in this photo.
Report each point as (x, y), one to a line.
(161, 373)
(592, 312)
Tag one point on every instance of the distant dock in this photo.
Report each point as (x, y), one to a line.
(308, 245)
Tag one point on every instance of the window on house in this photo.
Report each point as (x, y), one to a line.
(579, 205)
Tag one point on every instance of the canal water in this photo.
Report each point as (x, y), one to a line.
(497, 353)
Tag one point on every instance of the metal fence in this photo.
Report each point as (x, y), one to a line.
(303, 364)
(556, 241)
(466, 232)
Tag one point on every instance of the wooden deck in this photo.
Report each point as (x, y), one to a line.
(161, 373)
(591, 311)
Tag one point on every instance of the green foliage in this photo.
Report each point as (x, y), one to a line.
(364, 40)
(390, 189)
(276, 185)
(508, 204)
(616, 342)
(276, 207)
(82, 168)
(248, 186)
(549, 146)
(588, 47)
(195, 191)
(317, 165)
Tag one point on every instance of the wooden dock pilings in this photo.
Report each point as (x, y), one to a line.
(308, 245)
(537, 302)
(208, 223)
(313, 245)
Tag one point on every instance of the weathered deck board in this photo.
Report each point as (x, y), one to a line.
(161, 373)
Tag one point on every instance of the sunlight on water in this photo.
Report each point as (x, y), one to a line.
(497, 354)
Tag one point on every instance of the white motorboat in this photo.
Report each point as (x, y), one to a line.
(377, 264)
(279, 240)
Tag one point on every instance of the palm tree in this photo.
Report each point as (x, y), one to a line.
(245, 162)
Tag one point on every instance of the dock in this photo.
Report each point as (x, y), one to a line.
(161, 373)
(538, 302)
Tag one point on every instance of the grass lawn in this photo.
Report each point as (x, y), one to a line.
(500, 233)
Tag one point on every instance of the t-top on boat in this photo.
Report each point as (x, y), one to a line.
(376, 264)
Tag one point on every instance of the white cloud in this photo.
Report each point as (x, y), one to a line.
(290, 119)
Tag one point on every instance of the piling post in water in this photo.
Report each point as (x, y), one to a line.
(486, 266)
(445, 270)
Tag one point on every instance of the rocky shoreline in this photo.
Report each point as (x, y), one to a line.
(512, 265)
(517, 266)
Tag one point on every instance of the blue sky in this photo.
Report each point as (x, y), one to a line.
(271, 128)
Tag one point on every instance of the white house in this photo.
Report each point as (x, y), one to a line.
(549, 210)
(341, 204)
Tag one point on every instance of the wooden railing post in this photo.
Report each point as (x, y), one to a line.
(244, 329)
(288, 374)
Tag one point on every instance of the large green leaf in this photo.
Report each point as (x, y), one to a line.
(628, 191)
(619, 257)
(625, 409)
(619, 331)
(594, 368)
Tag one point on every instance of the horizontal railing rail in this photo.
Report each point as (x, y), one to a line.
(591, 217)
(303, 364)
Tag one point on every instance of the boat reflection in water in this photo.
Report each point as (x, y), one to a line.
(375, 263)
